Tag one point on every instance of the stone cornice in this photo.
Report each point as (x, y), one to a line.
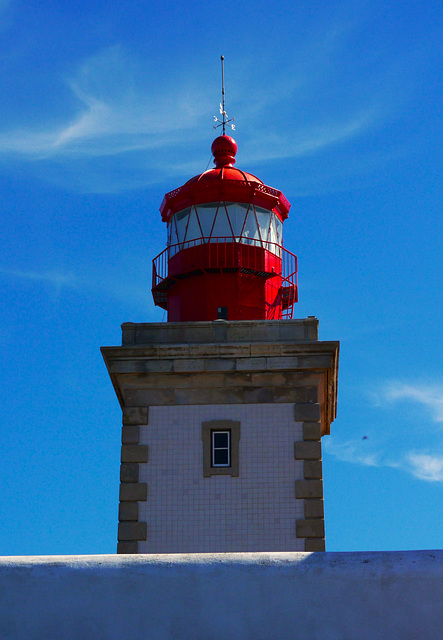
(165, 369)
(234, 350)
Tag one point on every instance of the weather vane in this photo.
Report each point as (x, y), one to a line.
(225, 118)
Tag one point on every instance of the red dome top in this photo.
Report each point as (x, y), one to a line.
(224, 182)
(224, 149)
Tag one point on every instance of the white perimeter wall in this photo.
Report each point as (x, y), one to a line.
(251, 596)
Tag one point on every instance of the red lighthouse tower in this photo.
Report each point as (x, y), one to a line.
(225, 256)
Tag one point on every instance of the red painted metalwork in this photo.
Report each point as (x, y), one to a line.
(242, 274)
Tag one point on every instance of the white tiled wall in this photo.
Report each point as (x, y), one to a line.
(186, 512)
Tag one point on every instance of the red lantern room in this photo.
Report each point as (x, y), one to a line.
(225, 256)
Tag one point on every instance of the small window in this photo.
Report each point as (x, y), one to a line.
(221, 449)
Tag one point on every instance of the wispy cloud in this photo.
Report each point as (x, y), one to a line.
(426, 466)
(351, 451)
(428, 395)
(314, 138)
(114, 114)
(409, 444)
(56, 279)
(121, 109)
(125, 108)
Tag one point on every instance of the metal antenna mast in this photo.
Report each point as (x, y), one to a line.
(223, 91)
(225, 118)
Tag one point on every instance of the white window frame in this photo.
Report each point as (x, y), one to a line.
(214, 448)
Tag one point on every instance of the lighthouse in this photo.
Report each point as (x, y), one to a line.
(225, 404)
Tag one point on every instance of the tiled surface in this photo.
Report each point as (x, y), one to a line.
(186, 512)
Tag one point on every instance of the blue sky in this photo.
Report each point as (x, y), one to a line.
(104, 107)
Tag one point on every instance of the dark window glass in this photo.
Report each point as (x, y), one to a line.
(221, 440)
(221, 457)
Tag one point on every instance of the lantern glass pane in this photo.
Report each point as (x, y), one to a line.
(193, 231)
(279, 227)
(251, 233)
(206, 213)
(181, 219)
(264, 221)
(237, 213)
(221, 225)
(173, 232)
(273, 233)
